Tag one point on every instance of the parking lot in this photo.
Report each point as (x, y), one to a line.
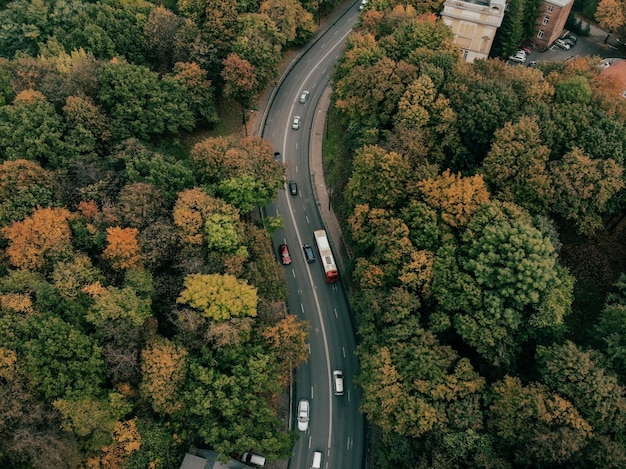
(592, 45)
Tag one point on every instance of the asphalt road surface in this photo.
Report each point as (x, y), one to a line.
(336, 426)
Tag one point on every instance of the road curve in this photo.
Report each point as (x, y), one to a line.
(336, 426)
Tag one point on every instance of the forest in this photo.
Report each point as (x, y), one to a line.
(142, 308)
(484, 206)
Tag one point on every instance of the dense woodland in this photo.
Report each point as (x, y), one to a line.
(141, 308)
(474, 197)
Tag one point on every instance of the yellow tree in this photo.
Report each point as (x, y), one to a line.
(163, 371)
(219, 297)
(454, 196)
(45, 236)
(123, 250)
(610, 15)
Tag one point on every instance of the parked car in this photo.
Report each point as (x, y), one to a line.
(295, 125)
(285, 257)
(526, 50)
(519, 57)
(303, 415)
(363, 4)
(562, 44)
(571, 43)
(571, 38)
(293, 187)
(304, 96)
(253, 459)
(532, 63)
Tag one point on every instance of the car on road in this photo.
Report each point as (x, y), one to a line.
(519, 57)
(303, 415)
(338, 382)
(277, 156)
(304, 96)
(293, 187)
(562, 44)
(363, 4)
(317, 460)
(285, 257)
(308, 253)
(296, 123)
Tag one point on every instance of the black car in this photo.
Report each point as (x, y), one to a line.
(308, 253)
(293, 187)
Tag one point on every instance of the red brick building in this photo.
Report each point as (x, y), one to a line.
(551, 22)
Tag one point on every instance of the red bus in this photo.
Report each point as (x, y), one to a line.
(326, 256)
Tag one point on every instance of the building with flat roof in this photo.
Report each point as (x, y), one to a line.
(474, 24)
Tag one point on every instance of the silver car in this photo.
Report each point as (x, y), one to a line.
(295, 125)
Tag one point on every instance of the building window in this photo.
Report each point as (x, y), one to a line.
(546, 20)
(467, 29)
(464, 55)
(540, 34)
(550, 8)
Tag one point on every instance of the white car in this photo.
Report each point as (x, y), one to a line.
(303, 415)
(304, 96)
(562, 44)
(295, 125)
(362, 5)
(519, 57)
(338, 382)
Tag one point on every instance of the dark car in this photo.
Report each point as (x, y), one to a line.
(308, 253)
(293, 187)
(571, 39)
(285, 257)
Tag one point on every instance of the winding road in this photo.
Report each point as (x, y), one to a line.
(336, 427)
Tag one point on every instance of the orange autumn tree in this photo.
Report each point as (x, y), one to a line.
(456, 197)
(163, 365)
(43, 237)
(123, 248)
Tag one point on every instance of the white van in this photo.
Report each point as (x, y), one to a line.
(338, 382)
(317, 460)
(253, 459)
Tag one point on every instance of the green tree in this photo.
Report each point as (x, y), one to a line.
(294, 22)
(379, 179)
(501, 283)
(573, 90)
(536, 426)
(228, 408)
(113, 304)
(408, 386)
(31, 129)
(91, 419)
(578, 376)
(219, 297)
(140, 104)
(24, 186)
(516, 166)
(60, 361)
(583, 188)
(222, 231)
